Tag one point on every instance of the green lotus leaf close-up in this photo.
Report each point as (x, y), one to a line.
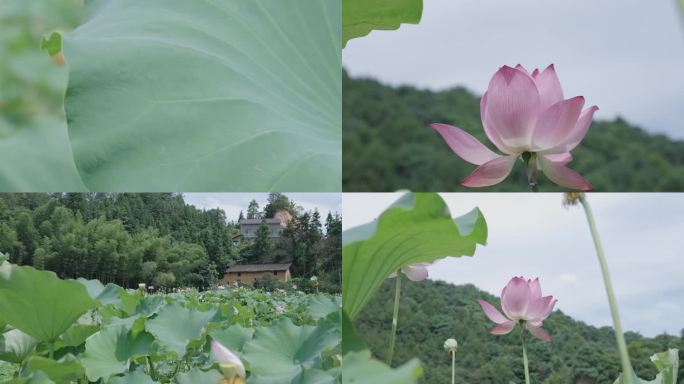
(206, 95)
(361, 368)
(196, 376)
(321, 306)
(360, 17)
(135, 377)
(417, 228)
(109, 351)
(284, 349)
(44, 142)
(233, 337)
(65, 370)
(300, 376)
(667, 364)
(39, 303)
(38, 377)
(109, 294)
(76, 335)
(175, 326)
(16, 345)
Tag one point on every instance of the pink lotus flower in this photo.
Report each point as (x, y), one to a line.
(522, 302)
(415, 272)
(524, 113)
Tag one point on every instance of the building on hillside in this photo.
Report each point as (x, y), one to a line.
(249, 272)
(250, 227)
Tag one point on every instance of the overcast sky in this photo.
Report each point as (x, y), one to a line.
(534, 236)
(626, 56)
(233, 203)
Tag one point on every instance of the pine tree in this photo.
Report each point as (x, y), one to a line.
(253, 210)
(261, 249)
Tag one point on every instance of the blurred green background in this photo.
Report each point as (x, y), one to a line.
(32, 84)
(35, 154)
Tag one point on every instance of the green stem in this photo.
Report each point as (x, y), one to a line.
(52, 350)
(150, 368)
(524, 348)
(395, 319)
(619, 336)
(530, 159)
(453, 367)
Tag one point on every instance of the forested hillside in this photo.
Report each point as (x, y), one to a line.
(388, 146)
(431, 312)
(156, 239)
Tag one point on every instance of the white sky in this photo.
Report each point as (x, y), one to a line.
(233, 203)
(534, 236)
(626, 56)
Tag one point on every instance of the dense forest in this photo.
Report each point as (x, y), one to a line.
(388, 146)
(432, 311)
(158, 239)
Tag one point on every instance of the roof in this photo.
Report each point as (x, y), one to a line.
(259, 267)
(258, 221)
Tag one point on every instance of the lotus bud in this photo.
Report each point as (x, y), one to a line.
(450, 345)
(141, 288)
(414, 272)
(231, 366)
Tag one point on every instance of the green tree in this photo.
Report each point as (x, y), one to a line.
(165, 280)
(432, 311)
(27, 235)
(128, 238)
(276, 202)
(261, 249)
(253, 210)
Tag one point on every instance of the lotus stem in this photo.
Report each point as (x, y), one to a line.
(395, 318)
(530, 159)
(453, 366)
(619, 336)
(524, 348)
(150, 368)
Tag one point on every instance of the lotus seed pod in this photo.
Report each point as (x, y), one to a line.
(450, 345)
(571, 198)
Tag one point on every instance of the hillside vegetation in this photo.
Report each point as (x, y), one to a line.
(430, 312)
(388, 146)
(158, 239)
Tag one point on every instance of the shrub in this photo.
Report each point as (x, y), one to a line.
(164, 280)
(267, 282)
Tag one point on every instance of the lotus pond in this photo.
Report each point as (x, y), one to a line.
(81, 331)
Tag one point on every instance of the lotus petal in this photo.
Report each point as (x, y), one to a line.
(490, 173)
(563, 176)
(513, 103)
(464, 145)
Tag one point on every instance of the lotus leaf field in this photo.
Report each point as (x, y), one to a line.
(81, 331)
